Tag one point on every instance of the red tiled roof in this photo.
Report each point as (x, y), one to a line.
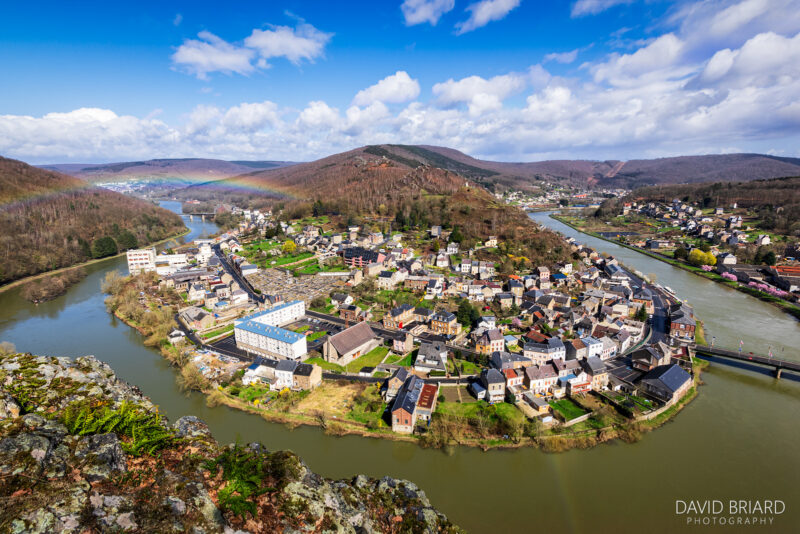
(427, 396)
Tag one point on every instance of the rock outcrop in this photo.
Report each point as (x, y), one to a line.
(81, 451)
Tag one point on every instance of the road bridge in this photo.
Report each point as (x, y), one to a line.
(748, 357)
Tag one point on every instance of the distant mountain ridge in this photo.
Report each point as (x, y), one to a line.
(49, 220)
(184, 169)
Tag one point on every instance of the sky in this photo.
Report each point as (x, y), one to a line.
(509, 80)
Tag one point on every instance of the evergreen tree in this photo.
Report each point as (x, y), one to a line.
(105, 246)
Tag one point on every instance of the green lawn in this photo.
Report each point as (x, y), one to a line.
(402, 361)
(328, 366)
(301, 329)
(316, 335)
(218, 331)
(463, 409)
(370, 359)
(567, 408)
(469, 368)
(290, 258)
(313, 267)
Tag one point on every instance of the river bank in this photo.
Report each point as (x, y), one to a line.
(735, 440)
(467, 424)
(81, 265)
(781, 304)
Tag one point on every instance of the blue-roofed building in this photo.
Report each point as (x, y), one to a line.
(259, 334)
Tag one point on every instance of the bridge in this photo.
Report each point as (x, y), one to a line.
(749, 357)
(201, 215)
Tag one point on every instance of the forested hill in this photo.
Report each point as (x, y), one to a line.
(49, 220)
(392, 186)
(497, 175)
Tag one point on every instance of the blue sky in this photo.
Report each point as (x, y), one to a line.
(499, 79)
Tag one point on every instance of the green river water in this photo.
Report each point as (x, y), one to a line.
(737, 440)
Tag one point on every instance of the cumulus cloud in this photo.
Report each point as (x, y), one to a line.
(484, 12)
(295, 44)
(478, 93)
(399, 87)
(421, 11)
(582, 8)
(676, 94)
(210, 53)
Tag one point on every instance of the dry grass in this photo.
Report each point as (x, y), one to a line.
(329, 398)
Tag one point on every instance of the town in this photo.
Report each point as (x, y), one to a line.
(723, 243)
(419, 329)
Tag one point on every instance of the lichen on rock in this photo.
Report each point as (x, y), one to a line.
(72, 460)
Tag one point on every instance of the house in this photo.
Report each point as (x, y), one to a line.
(577, 383)
(649, 357)
(431, 357)
(762, 240)
(398, 316)
(197, 318)
(491, 242)
(349, 344)
(436, 231)
(262, 339)
(488, 322)
(350, 313)
(726, 258)
(426, 403)
(490, 341)
(508, 360)
(576, 349)
(667, 383)
(361, 257)
(422, 315)
(404, 407)
(433, 288)
(284, 374)
(341, 299)
(594, 347)
(596, 370)
(307, 377)
(506, 300)
(539, 405)
(402, 342)
(540, 378)
(394, 383)
(176, 337)
(259, 373)
(494, 383)
(386, 280)
(452, 248)
(444, 323)
(681, 322)
(644, 297)
(542, 352)
(514, 377)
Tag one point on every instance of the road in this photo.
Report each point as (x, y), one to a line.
(244, 284)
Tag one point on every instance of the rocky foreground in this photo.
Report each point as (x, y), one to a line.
(81, 451)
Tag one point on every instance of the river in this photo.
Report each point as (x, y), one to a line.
(735, 441)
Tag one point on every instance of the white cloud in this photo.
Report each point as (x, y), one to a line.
(399, 87)
(209, 53)
(295, 44)
(430, 11)
(251, 117)
(484, 12)
(319, 114)
(562, 57)
(480, 95)
(681, 93)
(177, 20)
(593, 7)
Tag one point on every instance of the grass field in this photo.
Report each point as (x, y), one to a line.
(567, 408)
(402, 361)
(218, 332)
(370, 359)
(328, 366)
(316, 335)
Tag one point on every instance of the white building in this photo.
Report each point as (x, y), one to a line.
(141, 260)
(167, 264)
(261, 333)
